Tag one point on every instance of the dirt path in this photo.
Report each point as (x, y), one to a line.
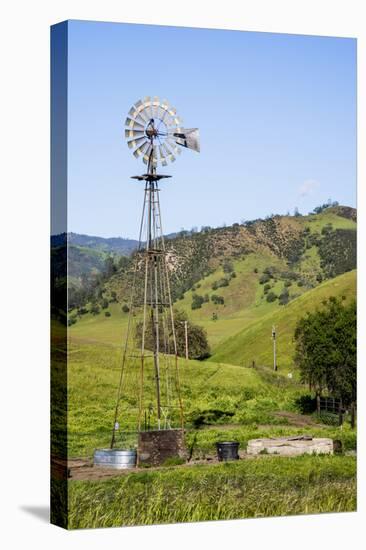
(294, 419)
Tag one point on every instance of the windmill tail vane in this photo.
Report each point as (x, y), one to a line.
(148, 395)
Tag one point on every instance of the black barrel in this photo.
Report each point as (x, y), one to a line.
(227, 450)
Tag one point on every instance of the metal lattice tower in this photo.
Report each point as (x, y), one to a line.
(149, 391)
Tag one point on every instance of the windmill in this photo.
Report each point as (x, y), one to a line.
(149, 379)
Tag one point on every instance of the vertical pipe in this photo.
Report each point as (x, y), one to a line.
(186, 337)
(274, 348)
(154, 291)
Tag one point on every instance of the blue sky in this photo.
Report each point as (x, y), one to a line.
(276, 113)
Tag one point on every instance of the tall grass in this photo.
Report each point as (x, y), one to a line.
(271, 486)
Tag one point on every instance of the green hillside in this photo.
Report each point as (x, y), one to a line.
(254, 342)
(244, 278)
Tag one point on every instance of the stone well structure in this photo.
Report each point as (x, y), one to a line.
(290, 446)
(156, 446)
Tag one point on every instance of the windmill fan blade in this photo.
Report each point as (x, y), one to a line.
(136, 142)
(147, 154)
(137, 116)
(140, 108)
(155, 107)
(163, 158)
(133, 124)
(141, 150)
(173, 146)
(188, 137)
(134, 133)
(148, 108)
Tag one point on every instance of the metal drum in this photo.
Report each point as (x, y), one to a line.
(119, 459)
(227, 450)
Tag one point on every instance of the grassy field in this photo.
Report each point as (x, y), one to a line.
(236, 394)
(237, 402)
(269, 486)
(316, 222)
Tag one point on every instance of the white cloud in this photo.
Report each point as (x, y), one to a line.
(308, 187)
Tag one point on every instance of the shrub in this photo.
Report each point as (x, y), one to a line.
(216, 299)
(266, 287)
(287, 283)
(95, 309)
(284, 297)
(270, 270)
(300, 283)
(107, 314)
(305, 404)
(198, 347)
(228, 266)
(271, 297)
(105, 303)
(255, 270)
(197, 301)
(264, 278)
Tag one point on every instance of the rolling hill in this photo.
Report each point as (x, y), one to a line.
(254, 343)
(237, 281)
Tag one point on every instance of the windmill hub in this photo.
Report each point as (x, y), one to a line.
(156, 129)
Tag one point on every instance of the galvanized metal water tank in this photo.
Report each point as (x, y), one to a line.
(118, 459)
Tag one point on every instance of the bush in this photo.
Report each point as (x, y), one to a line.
(255, 270)
(270, 270)
(197, 301)
(105, 303)
(228, 266)
(300, 283)
(284, 297)
(305, 404)
(287, 283)
(71, 320)
(233, 275)
(266, 287)
(198, 347)
(271, 297)
(125, 308)
(107, 314)
(264, 278)
(95, 309)
(216, 299)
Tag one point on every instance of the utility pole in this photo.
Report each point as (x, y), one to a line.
(274, 348)
(186, 337)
